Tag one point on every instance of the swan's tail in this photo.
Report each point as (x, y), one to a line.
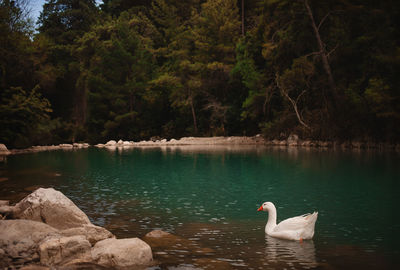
(309, 228)
(311, 218)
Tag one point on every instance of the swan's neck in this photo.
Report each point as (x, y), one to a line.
(271, 224)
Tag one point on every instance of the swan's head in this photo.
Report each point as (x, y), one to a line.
(266, 206)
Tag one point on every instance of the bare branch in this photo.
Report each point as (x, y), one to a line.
(299, 96)
(321, 45)
(323, 19)
(313, 53)
(327, 55)
(294, 103)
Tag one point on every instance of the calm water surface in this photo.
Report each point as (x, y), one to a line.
(209, 196)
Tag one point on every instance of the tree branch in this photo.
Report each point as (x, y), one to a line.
(331, 51)
(323, 19)
(294, 103)
(313, 53)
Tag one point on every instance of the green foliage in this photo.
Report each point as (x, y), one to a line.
(169, 68)
(64, 20)
(16, 60)
(116, 68)
(382, 99)
(21, 113)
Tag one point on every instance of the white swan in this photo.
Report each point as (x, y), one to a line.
(295, 228)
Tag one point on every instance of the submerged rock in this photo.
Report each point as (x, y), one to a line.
(170, 247)
(51, 207)
(122, 253)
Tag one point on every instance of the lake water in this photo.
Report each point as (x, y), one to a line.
(210, 195)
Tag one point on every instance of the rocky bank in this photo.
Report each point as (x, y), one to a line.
(46, 229)
(291, 141)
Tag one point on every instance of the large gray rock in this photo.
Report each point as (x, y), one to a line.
(51, 207)
(63, 250)
(92, 233)
(19, 241)
(128, 252)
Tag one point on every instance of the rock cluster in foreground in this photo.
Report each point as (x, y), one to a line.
(48, 229)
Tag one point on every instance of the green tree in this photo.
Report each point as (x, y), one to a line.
(116, 66)
(61, 24)
(116, 7)
(178, 73)
(216, 29)
(22, 114)
(16, 58)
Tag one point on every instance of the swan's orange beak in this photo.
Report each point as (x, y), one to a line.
(261, 208)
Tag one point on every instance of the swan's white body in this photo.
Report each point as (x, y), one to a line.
(295, 228)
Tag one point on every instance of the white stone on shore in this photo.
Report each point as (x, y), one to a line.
(120, 142)
(65, 145)
(4, 150)
(81, 145)
(111, 143)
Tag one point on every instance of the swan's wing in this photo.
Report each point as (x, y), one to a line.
(294, 223)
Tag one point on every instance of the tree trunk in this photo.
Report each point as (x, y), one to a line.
(193, 115)
(80, 106)
(323, 52)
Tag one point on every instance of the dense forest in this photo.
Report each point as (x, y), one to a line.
(133, 69)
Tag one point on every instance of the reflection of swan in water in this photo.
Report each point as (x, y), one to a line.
(290, 253)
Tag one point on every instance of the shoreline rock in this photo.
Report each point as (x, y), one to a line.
(41, 148)
(3, 150)
(49, 230)
(293, 141)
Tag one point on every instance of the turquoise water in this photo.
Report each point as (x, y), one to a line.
(210, 196)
